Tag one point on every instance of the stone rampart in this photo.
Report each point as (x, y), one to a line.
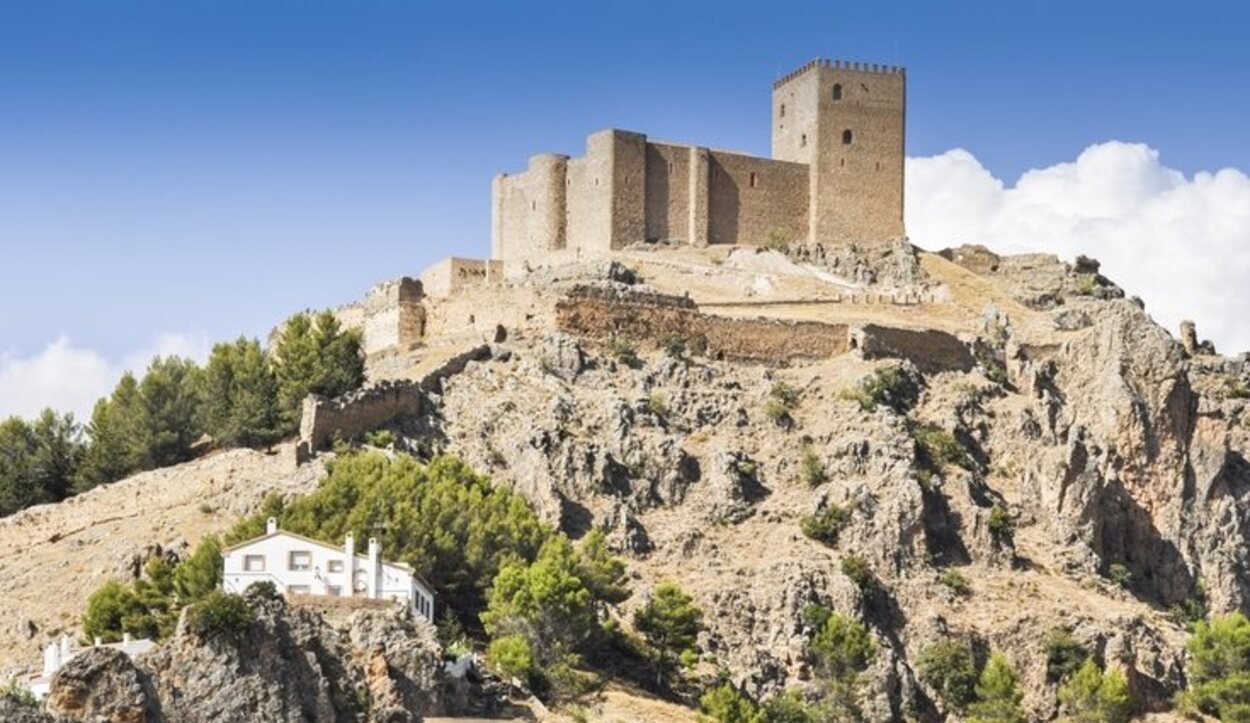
(351, 415)
(604, 312)
(930, 350)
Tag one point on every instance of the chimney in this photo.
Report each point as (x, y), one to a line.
(271, 526)
(349, 567)
(374, 567)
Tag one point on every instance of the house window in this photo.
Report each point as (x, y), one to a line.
(299, 560)
(298, 590)
(846, 137)
(837, 91)
(335, 566)
(754, 179)
(334, 590)
(254, 563)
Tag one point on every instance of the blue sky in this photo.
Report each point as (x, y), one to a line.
(208, 167)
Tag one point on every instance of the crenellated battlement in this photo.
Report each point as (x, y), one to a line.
(839, 65)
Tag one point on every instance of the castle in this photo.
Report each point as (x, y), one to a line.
(835, 176)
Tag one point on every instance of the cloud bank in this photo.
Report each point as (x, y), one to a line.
(1181, 244)
(71, 378)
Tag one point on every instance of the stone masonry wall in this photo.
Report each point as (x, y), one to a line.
(605, 312)
(931, 351)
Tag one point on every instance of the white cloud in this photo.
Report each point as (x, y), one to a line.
(1181, 244)
(70, 378)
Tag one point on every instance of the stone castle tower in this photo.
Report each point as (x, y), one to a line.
(835, 177)
(846, 122)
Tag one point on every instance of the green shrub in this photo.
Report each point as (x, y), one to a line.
(790, 707)
(673, 345)
(811, 467)
(622, 350)
(262, 590)
(1092, 696)
(956, 581)
(782, 399)
(1193, 608)
(1219, 669)
(1086, 284)
(657, 404)
(1119, 574)
(1064, 654)
(889, 387)
(380, 438)
(948, 667)
(220, 615)
(842, 647)
(724, 703)
(998, 694)
(1000, 524)
(859, 571)
(777, 239)
(19, 694)
(827, 524)
(936, 448)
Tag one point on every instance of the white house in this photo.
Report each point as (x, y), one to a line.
(61, 651)
(297, 565)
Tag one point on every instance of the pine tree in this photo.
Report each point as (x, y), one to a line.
(118, 437)
(1092, 696)
(998, 694)
(670, 623)
(18, 488)
(59, 450)
(313, 355)
(170, 395)
(239, 403)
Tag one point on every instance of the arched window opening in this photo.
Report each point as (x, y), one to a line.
(783, 110)
(846, 137)
(837, 91)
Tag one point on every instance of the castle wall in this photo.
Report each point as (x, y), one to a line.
(454, 274)
(668, 201)
(529, 209)
(390, 317)
(749, 198)
(649, 318)
(589, 195)
(931, 351)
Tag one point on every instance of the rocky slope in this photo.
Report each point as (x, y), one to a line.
(1116, 452)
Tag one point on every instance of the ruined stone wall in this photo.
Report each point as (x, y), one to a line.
(391, 316)
(606, 312)
(931, 351)
(355, 413)
(453, 275)
(749, 198)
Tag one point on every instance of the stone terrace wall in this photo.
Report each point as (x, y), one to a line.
(602, 312)
(351, 415)
(931, 351)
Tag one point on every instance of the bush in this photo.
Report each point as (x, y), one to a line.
(220, 615)
(811, 467)
(1064, 654)
(948, 667)
(723, 703)
(936, 448)
(380, 438)
(842, 647)
(782, 399)
(622, 350)
(778, 239)
(859, 571)
(889, 387)
(1193, 608)
(1000, 524)
(998, 694)
(262, 590)
(956, 581)
(790, 707)
(19, 695)
(1119, 574)
(1092, 696)
(657, 404)
(826, 525)
(1219, 669)
(673, 345)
